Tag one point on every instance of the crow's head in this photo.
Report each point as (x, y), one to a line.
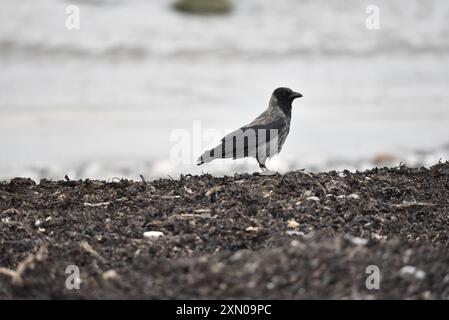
(285, 97)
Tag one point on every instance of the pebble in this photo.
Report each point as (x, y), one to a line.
(412, 271)
(237, 256)
(378, 236)
(110, 274)
(292, 224)
(270, 286)
(356, 240)
(252, 229)
(295, 233)
(295, 243)
(153, 234)
(354, 196)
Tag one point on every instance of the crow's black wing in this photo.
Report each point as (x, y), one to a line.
(247, 140)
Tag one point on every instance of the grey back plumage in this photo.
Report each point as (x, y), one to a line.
(261, 139)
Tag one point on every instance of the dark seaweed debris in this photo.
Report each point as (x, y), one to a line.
(291, 236)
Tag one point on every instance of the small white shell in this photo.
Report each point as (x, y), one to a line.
(153, 234)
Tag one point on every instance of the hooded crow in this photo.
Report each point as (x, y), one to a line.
(263, 137)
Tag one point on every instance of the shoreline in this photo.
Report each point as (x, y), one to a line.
(131, 169)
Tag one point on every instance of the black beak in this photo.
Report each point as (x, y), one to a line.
(295, 95)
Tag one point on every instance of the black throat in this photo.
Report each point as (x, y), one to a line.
(286, 107)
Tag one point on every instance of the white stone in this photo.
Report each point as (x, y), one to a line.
(295, 243)
(412, 271)
(110, 274)
(356, 240)
(292, 224)
(378, 236)
(295, 233)
(153, 234)
(253, 229)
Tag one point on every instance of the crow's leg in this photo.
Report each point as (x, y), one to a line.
(263, 167)
(261, 162)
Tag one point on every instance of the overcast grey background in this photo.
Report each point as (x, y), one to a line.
(102, 101)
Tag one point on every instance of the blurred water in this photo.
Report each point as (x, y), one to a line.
(102, 101)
